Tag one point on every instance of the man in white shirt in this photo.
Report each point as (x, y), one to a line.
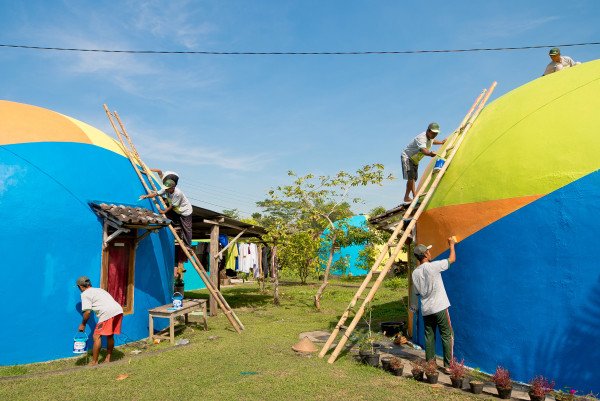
(427, 282)
(413, 153)
(179, 209)
(109, 312)
(558, 62)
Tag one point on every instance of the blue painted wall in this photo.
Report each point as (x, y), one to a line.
(50, 236)
(530, 301)
(192, 279)
(351, 252)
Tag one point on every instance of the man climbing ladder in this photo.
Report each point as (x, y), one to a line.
(401, 232)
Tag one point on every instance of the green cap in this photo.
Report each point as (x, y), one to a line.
(434, 127)
(554, 51)
(169, 183)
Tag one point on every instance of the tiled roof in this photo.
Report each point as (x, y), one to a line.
(129, 216)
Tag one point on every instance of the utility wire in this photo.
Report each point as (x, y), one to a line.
(249, 53)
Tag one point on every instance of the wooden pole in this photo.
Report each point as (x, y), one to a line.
(275, 276)
(214, 266)
(407, 231)
(387, 246)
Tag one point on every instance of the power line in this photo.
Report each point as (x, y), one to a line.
(225, 207)
(336, 53)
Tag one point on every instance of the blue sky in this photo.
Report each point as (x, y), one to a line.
(232, 126)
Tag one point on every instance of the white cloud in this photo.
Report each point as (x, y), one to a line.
(178, 21)
(172, 150)
(510, 26)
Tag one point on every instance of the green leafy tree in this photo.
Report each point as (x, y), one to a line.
(233, 213)
(300, 218)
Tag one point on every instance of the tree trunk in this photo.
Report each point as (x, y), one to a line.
(275, 276)
(321, 289)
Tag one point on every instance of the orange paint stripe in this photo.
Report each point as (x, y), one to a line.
(436, 225)
(22, 123)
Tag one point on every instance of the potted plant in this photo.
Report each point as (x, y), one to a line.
(368, 349)
(477, 381)
(396, 366)
(458, 372)
(567, 395)
(431, 371)
(501, 379)
(417, 369)
(540, 387)
(385, 363)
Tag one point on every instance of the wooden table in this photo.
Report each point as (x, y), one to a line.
(165, 311)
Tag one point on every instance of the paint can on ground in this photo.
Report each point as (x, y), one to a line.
(177, 300)
(80, 343)
(439, 163)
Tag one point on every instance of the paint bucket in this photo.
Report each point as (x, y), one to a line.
(439, 163)
(80, 343)
(177, 300)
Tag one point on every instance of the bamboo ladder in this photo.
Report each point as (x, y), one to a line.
(142, 169)
(448, 152)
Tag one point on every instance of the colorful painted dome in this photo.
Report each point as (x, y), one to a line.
(51, 167)
(523, 196)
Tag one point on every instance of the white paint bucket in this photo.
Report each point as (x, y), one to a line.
(80, 343)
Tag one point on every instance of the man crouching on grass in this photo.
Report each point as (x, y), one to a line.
(109, 312)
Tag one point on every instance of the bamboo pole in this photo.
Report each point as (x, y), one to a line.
(386, 247)
(407, 231)
(237, 325)
(213, 266)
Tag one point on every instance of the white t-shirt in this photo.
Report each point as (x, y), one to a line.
(564, 62)
(181, 204)
(101, 302)
(413, 150)
(427, 282)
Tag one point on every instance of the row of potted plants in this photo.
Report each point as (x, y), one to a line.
(540, 386)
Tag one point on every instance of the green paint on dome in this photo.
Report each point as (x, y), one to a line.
(533, 140)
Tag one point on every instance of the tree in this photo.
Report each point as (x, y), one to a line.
(233, 213)
(305, 209)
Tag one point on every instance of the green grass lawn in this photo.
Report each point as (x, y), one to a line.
(258, 364)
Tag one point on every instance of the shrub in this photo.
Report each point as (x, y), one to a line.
(430, 367)
(540, 386)
(396, 363)
(457, 369)
(396, 283)
(502, 378)
(477, 375)
(418, 366)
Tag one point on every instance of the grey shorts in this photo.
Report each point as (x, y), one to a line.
(410, 170)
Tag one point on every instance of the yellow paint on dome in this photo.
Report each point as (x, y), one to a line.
(98, 137)
(531, 141)
(23, 123)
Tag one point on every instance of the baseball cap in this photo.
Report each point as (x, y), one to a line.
(83, 281)
(420, 250)
(169, 183)
(434, 127)
(554, 51)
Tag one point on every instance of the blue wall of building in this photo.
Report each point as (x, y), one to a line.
(529, 302)
(351, 252)
(50, 236)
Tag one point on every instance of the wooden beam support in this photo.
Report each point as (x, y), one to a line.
(213, 267)
(113, 235)
(220, 254)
